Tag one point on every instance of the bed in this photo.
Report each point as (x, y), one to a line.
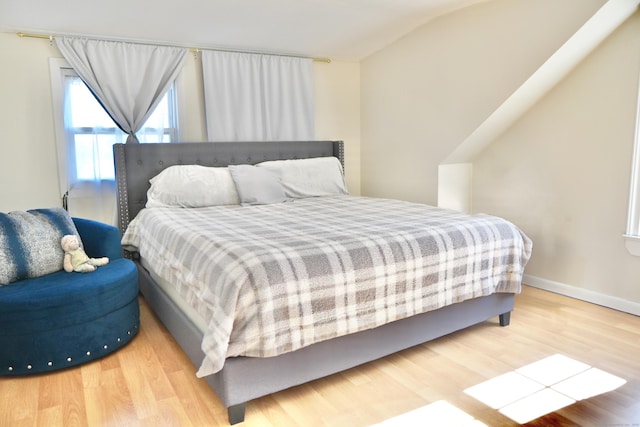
(242, 361)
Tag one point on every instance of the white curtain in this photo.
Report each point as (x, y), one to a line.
(128, 79)
(254, 97)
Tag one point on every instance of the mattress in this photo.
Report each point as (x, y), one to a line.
(271, 279)
(169, 289)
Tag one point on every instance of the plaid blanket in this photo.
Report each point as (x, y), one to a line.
(274, 278)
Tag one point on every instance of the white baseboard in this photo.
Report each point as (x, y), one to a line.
(583, 294)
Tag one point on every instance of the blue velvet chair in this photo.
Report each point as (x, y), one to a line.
(65, 319)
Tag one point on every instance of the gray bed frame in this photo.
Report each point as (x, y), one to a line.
(245, 378)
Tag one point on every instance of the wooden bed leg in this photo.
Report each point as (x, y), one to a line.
(236, 413)
(505, 318)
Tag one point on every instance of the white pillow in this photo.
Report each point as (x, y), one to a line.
(192, 186)
(318, 176)
(256, 186)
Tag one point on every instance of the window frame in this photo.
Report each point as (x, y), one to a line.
(59, 70)
(632, 234)
(58, 66)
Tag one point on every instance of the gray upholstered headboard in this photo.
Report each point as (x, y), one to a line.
(136, 164)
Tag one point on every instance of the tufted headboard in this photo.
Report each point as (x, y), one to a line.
(136, 164)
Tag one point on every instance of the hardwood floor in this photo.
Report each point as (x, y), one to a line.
(150, 382)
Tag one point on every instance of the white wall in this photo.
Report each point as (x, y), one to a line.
(423, 95)
(561, 173)
(28, 164)
(337, 95)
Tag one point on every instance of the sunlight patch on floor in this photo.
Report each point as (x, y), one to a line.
(543, 387)
(440, 413)
(522, 395)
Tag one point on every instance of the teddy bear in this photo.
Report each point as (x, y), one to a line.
(75, 258)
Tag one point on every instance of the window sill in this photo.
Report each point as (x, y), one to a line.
(633, 244)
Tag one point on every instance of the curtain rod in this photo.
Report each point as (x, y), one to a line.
(192, 49)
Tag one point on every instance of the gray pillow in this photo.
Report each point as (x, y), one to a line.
(30, 243)
(256, 186)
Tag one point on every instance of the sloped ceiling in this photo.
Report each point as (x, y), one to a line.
(337, 29)
(580, 45)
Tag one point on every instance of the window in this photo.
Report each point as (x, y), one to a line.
(632, 235)
(91, 133)
(85, 135)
